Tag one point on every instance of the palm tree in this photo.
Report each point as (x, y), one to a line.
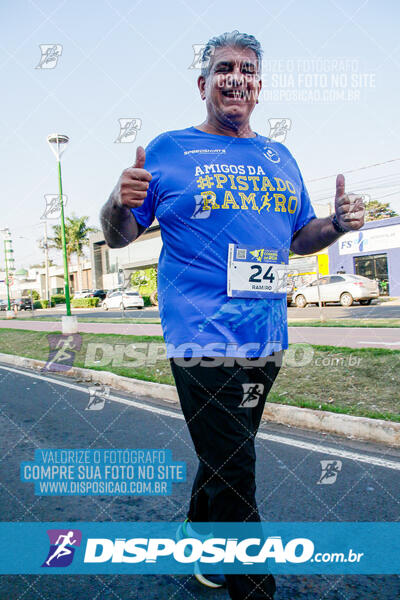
(80, 238)
(56, 241)
(76, 238)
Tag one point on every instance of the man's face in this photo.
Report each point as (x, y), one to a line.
(232, 86)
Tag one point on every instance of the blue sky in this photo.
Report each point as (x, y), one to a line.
(130, 59)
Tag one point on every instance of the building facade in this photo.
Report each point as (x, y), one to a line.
(35, 279)
(112, 267)
(373, 252)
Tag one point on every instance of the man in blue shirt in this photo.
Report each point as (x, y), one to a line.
(230, 204)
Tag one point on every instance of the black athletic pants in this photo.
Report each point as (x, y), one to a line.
(222, 406)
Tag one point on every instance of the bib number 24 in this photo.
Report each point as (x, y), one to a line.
(257, 270)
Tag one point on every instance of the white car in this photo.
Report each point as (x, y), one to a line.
(344, 288)
(82, 294)
(123, 299)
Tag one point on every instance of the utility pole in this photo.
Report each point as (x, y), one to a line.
(321, 312)
(9, 261)
(46, 260)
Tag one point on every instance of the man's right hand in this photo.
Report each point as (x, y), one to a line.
(131, 189)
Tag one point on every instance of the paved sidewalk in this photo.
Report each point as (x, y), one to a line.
(117, 328)
(353, 337)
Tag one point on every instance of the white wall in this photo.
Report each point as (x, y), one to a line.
(142, 250)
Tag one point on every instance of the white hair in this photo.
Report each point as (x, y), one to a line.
(231, 38)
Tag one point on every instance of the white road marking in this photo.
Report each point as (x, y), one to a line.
(380, 343)
(331, 450)
(372, 460)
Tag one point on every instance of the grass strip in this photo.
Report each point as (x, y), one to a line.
(360, 382)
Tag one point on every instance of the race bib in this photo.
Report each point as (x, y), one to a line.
(256, 272)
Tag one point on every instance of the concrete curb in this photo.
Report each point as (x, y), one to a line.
(159, 391)
(360, 428)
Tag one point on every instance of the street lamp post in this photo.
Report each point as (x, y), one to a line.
(58, 143)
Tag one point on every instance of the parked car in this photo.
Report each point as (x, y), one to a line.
(82, 294)
(3, 304)
(109, 292)
(344, 288)
(123, 299)
(23, 303)
(289, 292)
(97, 294)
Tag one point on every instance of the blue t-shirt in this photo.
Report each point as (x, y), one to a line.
(208, 191)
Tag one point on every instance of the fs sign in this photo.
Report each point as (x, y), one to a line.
(370, 240)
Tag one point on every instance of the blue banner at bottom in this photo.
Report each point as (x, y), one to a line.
(159, 548)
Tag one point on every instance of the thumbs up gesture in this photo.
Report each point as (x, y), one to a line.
(349, 208)
(134, 182)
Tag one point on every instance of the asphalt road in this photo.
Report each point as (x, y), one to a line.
(382, 310)
(37, 412)
(363, 337)
(332, 311)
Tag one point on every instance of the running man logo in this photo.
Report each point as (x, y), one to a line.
(278, 129)
(252, 393)
(198, 62)
(50, 55)
(53, 206)
(97, 397)
(128, 129)
(62, 351)
(330, 470)
(200, 212)
(258, 254)
(63, 543)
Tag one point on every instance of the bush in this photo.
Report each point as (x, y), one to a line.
(146, 300)
(145, 280)
(42, 304)
(84, 302)
(35, 294)
(58, 299)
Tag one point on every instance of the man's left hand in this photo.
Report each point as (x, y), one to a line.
(349, 208)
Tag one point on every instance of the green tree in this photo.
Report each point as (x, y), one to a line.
(375, 210)
(56, 241)
(35, 294)
(146, 281)
(42, 264)
(139, 278)
(77, 233)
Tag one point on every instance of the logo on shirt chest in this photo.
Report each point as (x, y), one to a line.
(272, 155)
(205, 151)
